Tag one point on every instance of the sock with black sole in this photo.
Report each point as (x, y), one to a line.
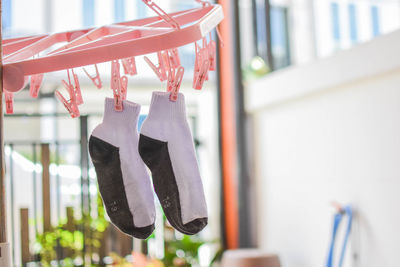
(166, 146)
(124, 183)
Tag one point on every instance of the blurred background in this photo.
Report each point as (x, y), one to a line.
(302, 112)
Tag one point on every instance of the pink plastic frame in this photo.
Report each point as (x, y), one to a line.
(112, 42)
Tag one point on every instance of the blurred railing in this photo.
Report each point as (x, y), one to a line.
(36, 181)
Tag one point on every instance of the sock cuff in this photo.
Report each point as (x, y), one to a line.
(163, 108)
(128, 115)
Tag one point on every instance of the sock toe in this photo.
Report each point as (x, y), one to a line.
(195, 226)
(137, 232)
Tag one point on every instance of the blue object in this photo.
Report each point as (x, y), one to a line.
(278, 29)
(141, 120)
(7, 18)
(141, 9)
(335, 21)
(347, 211)
(375, 21)
(88, 13)
(7, 14)
(353, 23)
(119, 10)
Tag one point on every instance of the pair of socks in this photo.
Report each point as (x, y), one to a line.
(165, 145)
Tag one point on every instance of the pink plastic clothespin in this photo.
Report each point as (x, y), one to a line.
(204, 3)
(75, 89)
(95, 79)
(205, 54)
(201, 66)
(70, 105)
(124, 87)
(221, 41)
(212, 51)
(119, 85)
(175, 83)
(162, 14)
(174, 59)
(74, 94)
(129, 65)
(36, 83)
(159, 70)
(175, 76)
(9, 99)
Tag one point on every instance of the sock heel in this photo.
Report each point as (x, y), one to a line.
(101, 151)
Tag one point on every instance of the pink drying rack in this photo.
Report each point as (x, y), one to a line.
(34, 55)
(107, 43)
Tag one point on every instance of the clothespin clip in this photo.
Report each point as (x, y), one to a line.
(221, 41)
(202, 64)
(9, 99)
(119, 85)
(129, 65)
(203, 3)
(74, 89)
(124, 87)
(212, 51)
(175, 76)
(36, 83)
(95, 79)
(174, 59)
(159, 70)
(175, 84)
(75, 96)
(205, 54)
(162, 14)
(70, 105)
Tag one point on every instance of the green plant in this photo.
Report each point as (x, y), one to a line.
(256, 68)
(72, 241)
(182, 252)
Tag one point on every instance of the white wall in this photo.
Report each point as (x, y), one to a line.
(27, 16)
(330, 131)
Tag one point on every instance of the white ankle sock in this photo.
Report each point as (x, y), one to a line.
(123, 179)
(166, 146)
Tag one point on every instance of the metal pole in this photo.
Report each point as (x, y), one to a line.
(12, 195)
(255, 28)
(34, 176)
(269, 56)
(85, 184)
(85, 197)
(58, 183)
(244, 182)
(223, 222)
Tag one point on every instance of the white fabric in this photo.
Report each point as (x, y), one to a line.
(120, 129)
(167, 122)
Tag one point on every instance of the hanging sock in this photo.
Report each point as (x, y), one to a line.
(124, 183)
(166, 146)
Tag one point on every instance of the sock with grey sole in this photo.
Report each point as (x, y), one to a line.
(124, 183)
(166, 146)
